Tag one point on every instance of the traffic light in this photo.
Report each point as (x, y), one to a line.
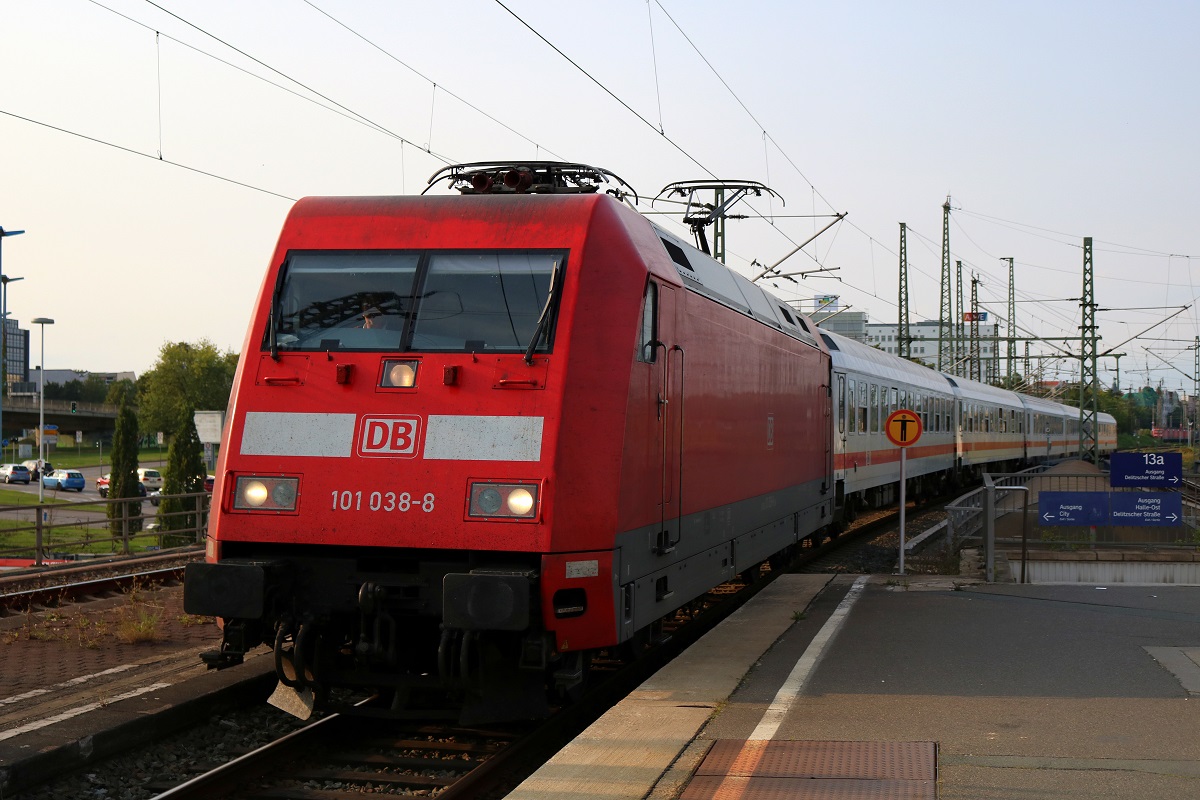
(74, 407)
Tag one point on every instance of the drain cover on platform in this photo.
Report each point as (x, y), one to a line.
(764, 770)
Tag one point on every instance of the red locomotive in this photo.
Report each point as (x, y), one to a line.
(475, 438)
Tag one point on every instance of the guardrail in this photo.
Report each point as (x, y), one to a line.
(64, 531)
(965, 515)
(1004, 512)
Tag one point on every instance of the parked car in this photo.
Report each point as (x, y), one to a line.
(15, 473)
(156, 495)
(65, 479)
(103, 481)
(32, 466)
(150, 478)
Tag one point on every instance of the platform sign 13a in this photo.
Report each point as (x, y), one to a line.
(1146, 469)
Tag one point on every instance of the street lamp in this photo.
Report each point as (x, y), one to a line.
(4, 282)
(3, 328)
(43, 321)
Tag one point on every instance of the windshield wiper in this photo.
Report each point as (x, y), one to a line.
(272, 333)
(544, 319)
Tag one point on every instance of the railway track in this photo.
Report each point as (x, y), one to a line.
(345, 755)
(53, 596)
(340, 755)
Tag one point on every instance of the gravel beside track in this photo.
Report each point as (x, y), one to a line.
(143, 774)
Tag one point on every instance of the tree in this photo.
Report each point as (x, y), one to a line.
(122, 391)
(123, 480)
(185, 475)
(185, 377)
(93, 389)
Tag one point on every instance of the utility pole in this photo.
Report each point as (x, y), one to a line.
(1195, 391)
(1088, 389)
(945, 312)
(995, 353)
(1012, 327)
(903, 331)
(960, 346)
(974, 327)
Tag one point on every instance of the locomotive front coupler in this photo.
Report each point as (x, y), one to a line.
(378, 629)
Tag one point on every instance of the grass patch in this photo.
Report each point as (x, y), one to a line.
(141, 626)
(12, 497)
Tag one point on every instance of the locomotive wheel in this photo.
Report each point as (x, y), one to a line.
(570, 679)
(850, 509)
(632, 648)
(750, 575)
(783, 559)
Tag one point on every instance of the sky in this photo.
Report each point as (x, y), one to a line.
(152, 150)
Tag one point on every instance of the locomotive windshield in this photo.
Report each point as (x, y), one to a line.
(473, 301)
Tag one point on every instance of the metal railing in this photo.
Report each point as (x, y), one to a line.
(1004, 514)
(71, 530)
(965, 516)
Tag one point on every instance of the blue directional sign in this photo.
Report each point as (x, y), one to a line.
(1146, 469)
(1073, 508)
(1147, 508)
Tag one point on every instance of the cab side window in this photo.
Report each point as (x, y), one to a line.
(648, 335)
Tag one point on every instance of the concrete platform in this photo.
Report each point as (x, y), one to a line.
(1015, 691)
(61, 727)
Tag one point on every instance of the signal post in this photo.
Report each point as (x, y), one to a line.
(903, 428)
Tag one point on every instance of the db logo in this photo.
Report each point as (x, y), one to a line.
(389, 437)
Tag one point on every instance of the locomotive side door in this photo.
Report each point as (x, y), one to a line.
(670, 416)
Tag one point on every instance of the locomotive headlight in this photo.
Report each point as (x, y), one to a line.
(490, 501)
(504, 500)
(263, 493)
(399, 374)
(520, 502)
(254, 493)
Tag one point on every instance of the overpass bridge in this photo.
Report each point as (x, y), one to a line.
(21, 414)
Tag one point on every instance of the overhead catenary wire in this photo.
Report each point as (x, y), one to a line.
(871, 239)
(426, 78)
(287, 77)
(340, 111)
(150, 156)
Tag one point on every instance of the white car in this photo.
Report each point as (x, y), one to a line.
(151, 478)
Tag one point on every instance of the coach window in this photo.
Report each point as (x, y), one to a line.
(647, 350)
(851, 407)
(874, 409)
(862, 406)
(841, 403)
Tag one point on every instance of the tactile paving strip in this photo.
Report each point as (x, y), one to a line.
(807, 770)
